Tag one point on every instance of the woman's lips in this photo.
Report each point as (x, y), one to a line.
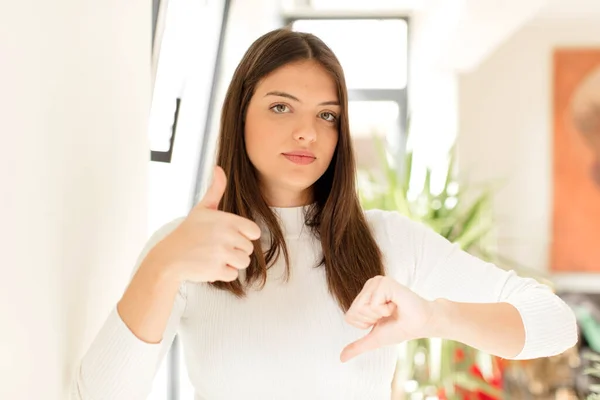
(300, 157)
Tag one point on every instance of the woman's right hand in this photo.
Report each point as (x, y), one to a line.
(209, 245)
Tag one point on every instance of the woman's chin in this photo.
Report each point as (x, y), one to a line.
(298, 180)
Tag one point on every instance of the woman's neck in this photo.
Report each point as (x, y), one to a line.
(287, 198)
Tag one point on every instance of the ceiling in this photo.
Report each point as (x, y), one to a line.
(569, 9)
(462, 32)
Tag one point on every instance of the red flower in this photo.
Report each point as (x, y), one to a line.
(496, 382)
(441, 394)
(459, 355)
(474, 370)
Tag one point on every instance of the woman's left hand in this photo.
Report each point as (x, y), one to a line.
(394, 312)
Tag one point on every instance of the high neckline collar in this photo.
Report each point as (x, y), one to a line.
(292, 219)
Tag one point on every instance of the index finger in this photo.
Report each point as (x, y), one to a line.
(245, 226)
(364, 297)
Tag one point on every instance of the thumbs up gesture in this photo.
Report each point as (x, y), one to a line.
(209, 245)
(392, 311)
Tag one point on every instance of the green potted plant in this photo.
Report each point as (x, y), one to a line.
(594, 371)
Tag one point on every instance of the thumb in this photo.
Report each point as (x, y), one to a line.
(213, 195)
(363, 345)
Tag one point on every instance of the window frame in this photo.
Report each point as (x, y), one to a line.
(172, 357)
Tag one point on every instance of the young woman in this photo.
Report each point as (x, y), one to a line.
(280, 286)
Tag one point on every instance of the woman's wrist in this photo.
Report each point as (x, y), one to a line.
(160, 272)
(443, 319)
(147, 303)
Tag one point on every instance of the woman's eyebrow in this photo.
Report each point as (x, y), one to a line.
(292, 97)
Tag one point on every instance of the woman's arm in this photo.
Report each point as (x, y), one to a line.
(148, 301)
(433, 289)
(494, 328)
(484, 306)
(123, 358)
(397, 314)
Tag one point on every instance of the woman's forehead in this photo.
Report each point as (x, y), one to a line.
(308, 81)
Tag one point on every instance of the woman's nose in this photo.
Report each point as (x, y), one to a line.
(305, 133)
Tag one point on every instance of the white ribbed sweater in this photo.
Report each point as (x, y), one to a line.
(284, 341)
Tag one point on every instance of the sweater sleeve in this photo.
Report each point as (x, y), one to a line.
(118, 365)
(442, 270)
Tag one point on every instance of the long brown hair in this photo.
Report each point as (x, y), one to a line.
(350, 253)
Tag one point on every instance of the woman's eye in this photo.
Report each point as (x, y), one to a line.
(280, 108)
(327, 116)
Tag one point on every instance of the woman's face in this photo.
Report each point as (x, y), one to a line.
(291, 131)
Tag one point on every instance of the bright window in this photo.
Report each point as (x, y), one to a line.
(373, 52)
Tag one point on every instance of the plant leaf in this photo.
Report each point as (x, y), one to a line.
(472, 384)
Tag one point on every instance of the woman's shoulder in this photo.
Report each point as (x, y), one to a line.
(385, 221)
(392, 227)
(397, 237)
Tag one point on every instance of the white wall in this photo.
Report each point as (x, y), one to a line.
(506, 133)
(73, 111)
(433, 89)
(448, 37)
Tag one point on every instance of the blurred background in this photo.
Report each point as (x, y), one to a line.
(476, 117)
